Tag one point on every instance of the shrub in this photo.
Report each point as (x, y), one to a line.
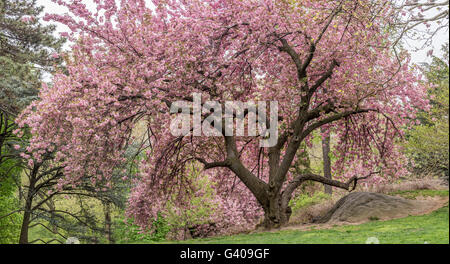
(125, 231)
(9, 222)
(305, 200)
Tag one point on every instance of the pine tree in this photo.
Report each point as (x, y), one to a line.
(26, 53)
(26, 49)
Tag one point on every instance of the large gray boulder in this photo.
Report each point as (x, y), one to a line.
(362, 206)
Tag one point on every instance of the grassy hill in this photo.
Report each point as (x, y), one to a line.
(432, 229)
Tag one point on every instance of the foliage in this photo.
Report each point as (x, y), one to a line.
(428, 142)
(198, 211)
(85, 212)
(26, 49)
(305, 200)
(127, 232)
(204, 212)
(9, 223)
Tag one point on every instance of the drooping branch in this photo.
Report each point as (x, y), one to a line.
(349, 185)
(333, 118)
(211, 165)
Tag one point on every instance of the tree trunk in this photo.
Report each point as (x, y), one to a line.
(108, 224)
(23, 239)
(326, 162)
(276, 214)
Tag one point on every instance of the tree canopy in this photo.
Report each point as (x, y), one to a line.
(326, 63)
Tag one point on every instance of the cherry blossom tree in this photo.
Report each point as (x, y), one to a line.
(327, 63)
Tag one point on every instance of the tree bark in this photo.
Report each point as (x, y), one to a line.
(23, 239)
(276, 214)
(326, 162)
(108, 224)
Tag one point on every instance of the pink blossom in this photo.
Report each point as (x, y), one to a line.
(27, 19)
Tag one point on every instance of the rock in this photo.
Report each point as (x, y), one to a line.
(362, 206)
(72, 240)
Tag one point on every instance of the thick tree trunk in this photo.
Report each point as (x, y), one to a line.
(277, 213)
(326, 162)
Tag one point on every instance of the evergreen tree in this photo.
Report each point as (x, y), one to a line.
(27, 51)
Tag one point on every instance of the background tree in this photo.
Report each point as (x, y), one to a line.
(326, 151)
(27, 50)
(428, 142)
(44, 206)
(25, 55)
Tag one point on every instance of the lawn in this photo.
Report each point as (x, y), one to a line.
(432, 229)
(413, 194)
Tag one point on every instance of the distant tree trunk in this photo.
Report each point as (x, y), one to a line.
(108, 224)
(326, 162)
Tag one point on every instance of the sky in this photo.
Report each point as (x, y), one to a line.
(416, 56)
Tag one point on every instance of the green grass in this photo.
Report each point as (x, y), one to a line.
(416, 193)
(432, 228)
